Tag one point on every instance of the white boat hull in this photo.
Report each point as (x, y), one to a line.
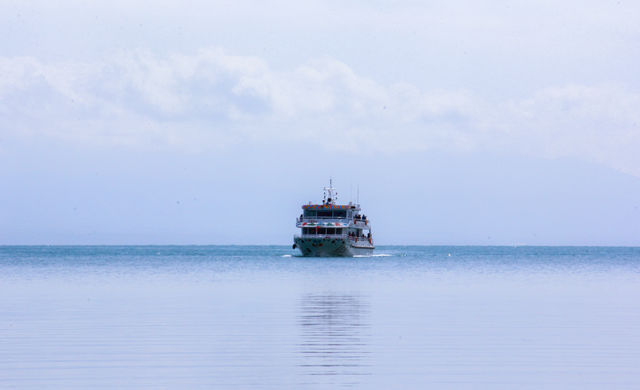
(332, 247)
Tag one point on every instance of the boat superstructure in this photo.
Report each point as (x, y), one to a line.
(332, 229)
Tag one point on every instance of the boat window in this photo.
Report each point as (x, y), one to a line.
(309, 213)
(322, 230)
(338, 230)
(340, 213)
(331, 230)
(324, 213)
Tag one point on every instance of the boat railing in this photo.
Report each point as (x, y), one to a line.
(357, 222)
(320, 236)
(359, 239)
(327, 219)
(352, 238)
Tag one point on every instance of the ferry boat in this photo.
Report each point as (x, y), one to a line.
(331, 229)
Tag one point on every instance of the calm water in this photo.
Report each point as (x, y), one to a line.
(255, 317)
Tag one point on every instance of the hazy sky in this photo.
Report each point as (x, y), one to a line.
(462, 122)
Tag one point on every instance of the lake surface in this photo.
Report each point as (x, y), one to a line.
(237, 317)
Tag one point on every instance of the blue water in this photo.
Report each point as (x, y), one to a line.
(237, 317)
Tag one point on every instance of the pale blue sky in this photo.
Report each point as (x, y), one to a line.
(463, 122)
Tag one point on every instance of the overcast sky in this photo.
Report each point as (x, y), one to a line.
(462, 122)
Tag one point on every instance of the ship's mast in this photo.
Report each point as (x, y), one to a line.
(330, 194)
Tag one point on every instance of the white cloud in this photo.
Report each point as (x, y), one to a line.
(213, 99)
(599, 123)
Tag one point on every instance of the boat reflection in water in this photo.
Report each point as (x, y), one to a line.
(335, 338)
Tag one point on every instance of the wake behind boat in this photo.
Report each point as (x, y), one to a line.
(331, 229)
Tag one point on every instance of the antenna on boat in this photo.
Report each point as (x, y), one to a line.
(358, 196)
(351, 193)
(330, 195)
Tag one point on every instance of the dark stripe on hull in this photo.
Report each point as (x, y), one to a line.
(329, 247)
